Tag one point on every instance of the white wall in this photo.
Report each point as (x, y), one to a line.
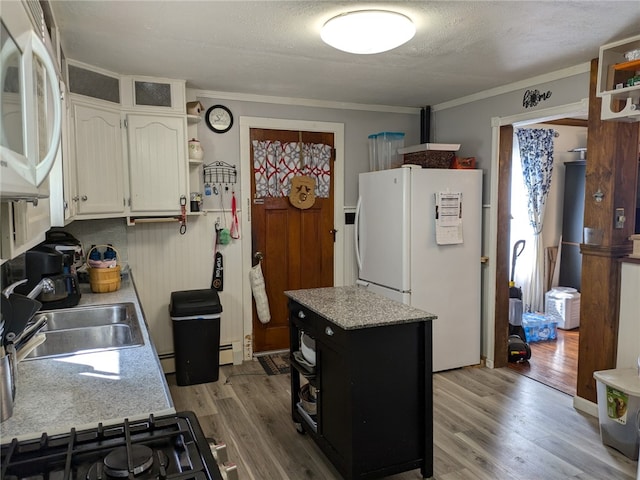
(471, 122)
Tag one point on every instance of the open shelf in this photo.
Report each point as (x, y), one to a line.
(620, 101)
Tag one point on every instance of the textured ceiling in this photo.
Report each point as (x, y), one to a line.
(274, 48)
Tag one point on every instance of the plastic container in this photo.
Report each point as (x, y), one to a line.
(618, 393)
(383, 150)
(562, 304)
(195, 316)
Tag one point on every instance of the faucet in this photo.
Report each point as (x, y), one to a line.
(45, 285)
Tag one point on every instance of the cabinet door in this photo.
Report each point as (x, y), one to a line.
(23, 226)
(334, 414)
(62, 185)
(99, 170)
(157, 162)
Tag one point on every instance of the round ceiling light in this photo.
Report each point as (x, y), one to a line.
(368, 31)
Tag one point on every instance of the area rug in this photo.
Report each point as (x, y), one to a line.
(275, 364)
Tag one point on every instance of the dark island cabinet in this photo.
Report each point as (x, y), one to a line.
(374, 394)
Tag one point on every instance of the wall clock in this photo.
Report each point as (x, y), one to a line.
(219, 119)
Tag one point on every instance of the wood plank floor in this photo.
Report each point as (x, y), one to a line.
(488, 425)
(554, 363)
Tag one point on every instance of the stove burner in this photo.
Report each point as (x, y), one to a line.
(116, 463)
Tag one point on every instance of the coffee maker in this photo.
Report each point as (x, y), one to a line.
(45, 261)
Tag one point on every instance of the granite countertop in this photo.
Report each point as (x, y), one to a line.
(57, 394)
(355, 307)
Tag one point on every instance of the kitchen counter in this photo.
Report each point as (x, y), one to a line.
(340, 304)
(54, 395)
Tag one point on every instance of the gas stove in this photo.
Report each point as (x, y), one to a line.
(163, 448)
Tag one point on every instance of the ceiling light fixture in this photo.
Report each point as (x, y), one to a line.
(368, 31)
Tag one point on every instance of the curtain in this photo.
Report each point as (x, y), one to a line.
(536, 155)
(275, 163)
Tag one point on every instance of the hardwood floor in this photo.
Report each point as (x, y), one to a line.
(554, 363)
(488, 425)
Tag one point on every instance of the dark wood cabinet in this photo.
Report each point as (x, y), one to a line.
(374, 394)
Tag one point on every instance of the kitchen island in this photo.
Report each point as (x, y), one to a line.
(54, 395)
(373, 409)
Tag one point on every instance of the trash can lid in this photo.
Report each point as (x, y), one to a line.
(187, 303)
(624, 379)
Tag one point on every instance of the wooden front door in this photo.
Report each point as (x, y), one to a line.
(297, 245)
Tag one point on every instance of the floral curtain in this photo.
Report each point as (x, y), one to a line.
(536, 155)
(275, 163)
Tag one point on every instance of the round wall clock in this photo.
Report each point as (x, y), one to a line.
(219, 119)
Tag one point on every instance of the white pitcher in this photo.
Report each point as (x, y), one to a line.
(195, 150)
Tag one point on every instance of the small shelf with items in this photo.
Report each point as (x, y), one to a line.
(618, 82)
(193, 119)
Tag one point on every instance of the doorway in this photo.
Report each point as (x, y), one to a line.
(501, 190)
(248, 250)
(554, 361)
(292, 223)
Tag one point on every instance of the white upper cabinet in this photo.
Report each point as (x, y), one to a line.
(129, 144)
(99, 164)
(157, 163)
(153, 95)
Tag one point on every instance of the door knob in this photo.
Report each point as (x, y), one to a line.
(258, 256)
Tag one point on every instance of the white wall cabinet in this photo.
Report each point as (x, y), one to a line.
(62, 188)
(23, 226)
(157, 155)
(137, 171)
(629, 320)
(99, 162)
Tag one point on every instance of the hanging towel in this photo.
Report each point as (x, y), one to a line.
(256, 279)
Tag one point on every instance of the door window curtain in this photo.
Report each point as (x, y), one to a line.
(536, 155)
(275, 163)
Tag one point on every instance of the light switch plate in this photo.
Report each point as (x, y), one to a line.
(620, 219)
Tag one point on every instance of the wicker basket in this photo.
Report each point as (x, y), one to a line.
(430, 158)
(104, 280)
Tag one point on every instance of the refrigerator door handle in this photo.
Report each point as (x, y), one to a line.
(356, 233)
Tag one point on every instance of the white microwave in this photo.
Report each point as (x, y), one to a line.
(30, 107)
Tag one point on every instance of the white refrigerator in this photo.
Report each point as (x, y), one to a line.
(410, 247)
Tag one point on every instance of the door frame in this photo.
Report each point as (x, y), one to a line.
(496, 313)
(246, 124)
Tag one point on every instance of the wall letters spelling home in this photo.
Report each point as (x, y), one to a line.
(532, 98)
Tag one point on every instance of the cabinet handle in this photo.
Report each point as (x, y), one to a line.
(301, 314)
(84, 198)
(76, 198)
(328, 331)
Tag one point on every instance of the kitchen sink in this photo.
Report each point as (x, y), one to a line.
(89, 329)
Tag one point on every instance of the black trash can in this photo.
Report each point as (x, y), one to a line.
(195, 315)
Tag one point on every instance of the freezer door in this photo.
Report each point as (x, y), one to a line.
(382, 228)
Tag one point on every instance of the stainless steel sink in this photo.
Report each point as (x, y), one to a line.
(89, 329)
